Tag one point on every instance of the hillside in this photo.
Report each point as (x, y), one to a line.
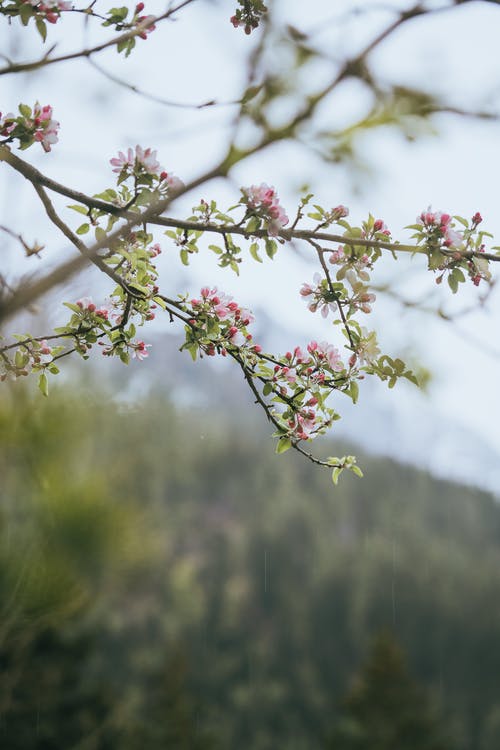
(167, 581)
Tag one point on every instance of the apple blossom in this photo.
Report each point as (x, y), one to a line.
(263, 202)
(139, 349)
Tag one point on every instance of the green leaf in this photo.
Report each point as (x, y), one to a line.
(253, 224)
(453, 283)
(354, 391)
(336, 473)
(184, 256)
(271, 248)
(43, 384)
(356, 470)
(81, 209)
(41, 28)
(160, 302)
(20, 359)
(254, 252)
(267, 389)
(118, 14)
(23, 108)
(25, 13)
(72, 307)
(83, 229)
(283, 445)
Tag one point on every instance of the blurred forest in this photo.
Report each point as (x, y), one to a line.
(167, 582)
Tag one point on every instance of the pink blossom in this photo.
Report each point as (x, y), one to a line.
(144, 159)
(263, 201)
(304, 424)
(86, 304)
(318, 293)
(245, 316)
(300, 356)
(380, 226)
(147, 159)
(139, 349)
(144, 19)
(441, 224)
(326, 351)
(123, 161)
(339, 212)
(306, 290)
(44, 354)
(154, 250)
(7, 124)
(338, 256)
(171, 181)
(45, 127)
(236, 337)
(44, 347)
(50, 9)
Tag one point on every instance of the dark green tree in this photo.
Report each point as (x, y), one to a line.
(385, 709)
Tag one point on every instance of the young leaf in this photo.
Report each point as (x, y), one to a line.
(283, 445)
(43, 384)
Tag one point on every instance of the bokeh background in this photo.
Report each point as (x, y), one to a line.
(166, 580)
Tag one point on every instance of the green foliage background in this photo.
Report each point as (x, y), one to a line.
(166, 581)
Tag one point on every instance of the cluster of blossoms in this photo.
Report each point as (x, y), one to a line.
(7, 124)
(320, 296)
(143, 166)
(138, 20)
(218, 322)
(263, 203)
(30, 126)
(438, 228)
(136, 348)
(32, 355)
(478, 268)
(90, 323)
(437, 231)
(119, 18)
(88, 309)
(375, 229)
(249, 15)
(49, 10)
(310, 376)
